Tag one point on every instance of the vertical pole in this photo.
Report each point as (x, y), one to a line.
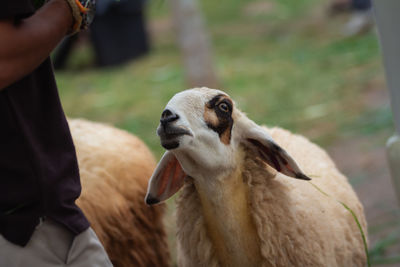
(194, 43)
(388, 20)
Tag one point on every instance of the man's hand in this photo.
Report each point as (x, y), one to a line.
(24, 46)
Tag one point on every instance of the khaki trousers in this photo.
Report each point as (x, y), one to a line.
(53, 245)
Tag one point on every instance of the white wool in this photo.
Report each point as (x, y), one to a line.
(236, 209)
(297, 224)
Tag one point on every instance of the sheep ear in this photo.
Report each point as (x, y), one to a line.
(166, 180)
(272, 153)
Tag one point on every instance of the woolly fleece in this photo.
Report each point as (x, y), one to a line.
(297, 225)
(115, 167)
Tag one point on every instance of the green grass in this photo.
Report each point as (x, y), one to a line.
(288, 67)
(283, 69)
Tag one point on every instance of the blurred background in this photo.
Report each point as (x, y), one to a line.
(310, 66)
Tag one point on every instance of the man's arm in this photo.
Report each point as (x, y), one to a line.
(24, 46)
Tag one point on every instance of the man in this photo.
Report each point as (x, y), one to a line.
(40, 225)
(118, 34)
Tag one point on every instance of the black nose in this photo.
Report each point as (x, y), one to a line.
(168, 116)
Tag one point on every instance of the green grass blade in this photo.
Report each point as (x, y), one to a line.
(354, 217)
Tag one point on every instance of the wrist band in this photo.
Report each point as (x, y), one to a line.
(82, 13)
(76, 14)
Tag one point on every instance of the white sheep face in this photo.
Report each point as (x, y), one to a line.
(202, 131)
(196, 126)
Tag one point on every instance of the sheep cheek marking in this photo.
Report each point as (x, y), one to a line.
(221, 123)
(223, 128)
(226, 136)
(211, 118)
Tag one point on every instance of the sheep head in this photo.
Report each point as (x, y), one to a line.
(202, 130)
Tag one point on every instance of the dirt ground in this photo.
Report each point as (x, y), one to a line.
(363, 160)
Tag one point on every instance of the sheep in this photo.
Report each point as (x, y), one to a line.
(115, 167)
(240, 205)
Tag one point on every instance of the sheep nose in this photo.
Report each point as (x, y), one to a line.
(168, 116)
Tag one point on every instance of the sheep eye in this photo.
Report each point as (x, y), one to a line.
(223, 107)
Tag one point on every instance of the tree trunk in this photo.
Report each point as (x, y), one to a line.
(194, 44)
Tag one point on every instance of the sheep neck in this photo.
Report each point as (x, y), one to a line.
(229, 224)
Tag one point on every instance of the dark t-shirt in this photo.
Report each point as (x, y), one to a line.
(39, 174)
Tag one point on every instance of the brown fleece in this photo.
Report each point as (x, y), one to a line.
(115, 167)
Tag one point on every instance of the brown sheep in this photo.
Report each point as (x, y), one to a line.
(115, 167)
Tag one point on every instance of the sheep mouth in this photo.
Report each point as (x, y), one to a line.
(170, 135)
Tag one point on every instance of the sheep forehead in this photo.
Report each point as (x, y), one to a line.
(193, 101)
